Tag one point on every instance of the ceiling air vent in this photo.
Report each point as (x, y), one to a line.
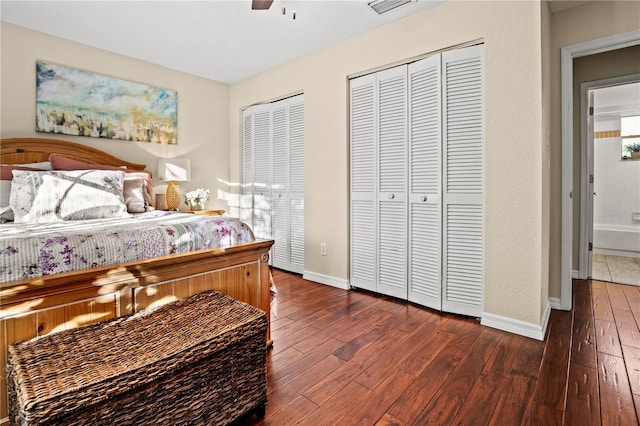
(384, 6)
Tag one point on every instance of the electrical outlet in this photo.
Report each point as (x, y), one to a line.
(323, 249)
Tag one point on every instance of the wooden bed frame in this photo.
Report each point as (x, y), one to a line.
(38, 306)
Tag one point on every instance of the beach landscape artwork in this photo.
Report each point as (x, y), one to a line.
(75, 102)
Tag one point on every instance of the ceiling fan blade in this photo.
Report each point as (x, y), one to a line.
(261, 4)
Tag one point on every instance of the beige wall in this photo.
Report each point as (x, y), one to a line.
(545, 172)
(203, 105)
(514, 144)
(591, 21)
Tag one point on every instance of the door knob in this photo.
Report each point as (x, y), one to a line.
(423, 198)
(391, 196)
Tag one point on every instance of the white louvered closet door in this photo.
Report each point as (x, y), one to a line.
(364, 227)
(272, 190)
(246, 188)
(280, 216)
(425, 223)
(392, 181)
(296, 184)
(288, 184)
(463, 180)
(262, 168)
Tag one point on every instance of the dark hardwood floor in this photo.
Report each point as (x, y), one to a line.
(355, 358)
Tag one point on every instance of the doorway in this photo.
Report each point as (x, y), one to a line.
(612, 127)
(568, 55)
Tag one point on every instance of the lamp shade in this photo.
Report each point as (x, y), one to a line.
(174, 169)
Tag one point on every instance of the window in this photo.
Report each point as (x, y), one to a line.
(630, 133)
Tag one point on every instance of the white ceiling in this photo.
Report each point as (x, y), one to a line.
(614, 101)
(222, 40)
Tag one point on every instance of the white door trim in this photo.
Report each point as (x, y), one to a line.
(586, 157)
(568, 53)
(587, 132)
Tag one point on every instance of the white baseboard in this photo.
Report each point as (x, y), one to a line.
(575, 274)
(516, 326)
(555, 303)
(326, 279)
(623, 253)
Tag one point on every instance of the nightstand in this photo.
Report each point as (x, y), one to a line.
(205, 212)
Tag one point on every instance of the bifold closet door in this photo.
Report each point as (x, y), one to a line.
(378, 182)
(392, 181)
(246, 187)
(280, 216)
(262, 171)
(463, 180)
(364, 223)
(288, 184)
(296, 184)
(425, 220)
(417, 181)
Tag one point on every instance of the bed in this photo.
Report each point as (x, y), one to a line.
(62, 299)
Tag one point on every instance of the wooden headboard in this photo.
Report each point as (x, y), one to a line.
(35, 150)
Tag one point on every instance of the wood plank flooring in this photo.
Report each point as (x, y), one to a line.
(356, 358)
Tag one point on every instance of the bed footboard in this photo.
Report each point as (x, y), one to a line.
(36, 307)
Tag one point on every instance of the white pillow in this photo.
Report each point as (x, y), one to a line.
(134, 192)
(54, 196)
(6, 214)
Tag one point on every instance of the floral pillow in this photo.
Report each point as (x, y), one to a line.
(54, 196)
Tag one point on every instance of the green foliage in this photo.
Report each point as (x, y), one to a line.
(632, 147)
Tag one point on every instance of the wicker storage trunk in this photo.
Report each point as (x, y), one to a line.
(200, 360)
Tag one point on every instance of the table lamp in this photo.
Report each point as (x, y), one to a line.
(174, 170)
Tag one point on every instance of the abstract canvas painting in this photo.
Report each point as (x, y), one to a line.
(75, 102)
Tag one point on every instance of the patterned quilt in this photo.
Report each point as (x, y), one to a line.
(33, 250)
